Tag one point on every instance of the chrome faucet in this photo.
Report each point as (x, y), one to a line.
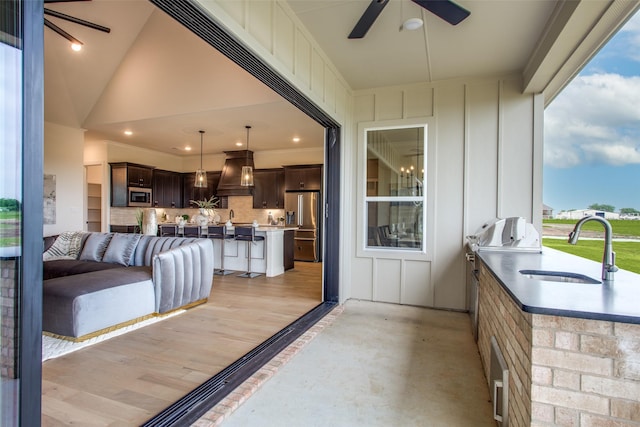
(231, 214)
(609, 256)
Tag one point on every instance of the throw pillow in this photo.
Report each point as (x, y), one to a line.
(95, 246)
(66, 246)
(121, 248)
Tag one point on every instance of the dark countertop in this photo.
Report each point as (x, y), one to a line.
(617, 301)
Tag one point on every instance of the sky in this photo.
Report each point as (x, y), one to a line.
(592, 131)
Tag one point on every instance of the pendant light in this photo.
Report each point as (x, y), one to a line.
(201, 174)
(247, 171)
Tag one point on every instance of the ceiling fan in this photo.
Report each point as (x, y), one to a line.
(75, 43)
(445, 9)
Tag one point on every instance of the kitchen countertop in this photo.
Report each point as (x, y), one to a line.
(615, 301)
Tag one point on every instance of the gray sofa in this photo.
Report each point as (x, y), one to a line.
(97, 281)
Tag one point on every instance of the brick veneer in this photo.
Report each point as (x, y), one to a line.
(8, 322)
(498, 316)
(576, 372)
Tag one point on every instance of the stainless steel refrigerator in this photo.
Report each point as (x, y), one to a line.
(302, 209)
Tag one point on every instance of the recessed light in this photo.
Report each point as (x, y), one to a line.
(187, 148)
(239, 144)
(128, 132)
(76, 47)
(412, 24)
(296, 139)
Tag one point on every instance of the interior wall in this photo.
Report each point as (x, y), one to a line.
(63, 157)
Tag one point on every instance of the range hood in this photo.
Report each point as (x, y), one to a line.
(229, 184)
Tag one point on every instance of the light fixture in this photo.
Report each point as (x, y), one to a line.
(247, 171)
(201, 174)
(412, 24)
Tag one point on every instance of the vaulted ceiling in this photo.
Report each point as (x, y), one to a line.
(154, 77)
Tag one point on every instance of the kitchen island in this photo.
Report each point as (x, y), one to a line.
(267, 256)
(572, 349)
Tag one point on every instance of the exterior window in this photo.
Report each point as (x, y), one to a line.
(10, 207)
(395, 193)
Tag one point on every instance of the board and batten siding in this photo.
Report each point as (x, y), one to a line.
(482, 151)
(486, 143)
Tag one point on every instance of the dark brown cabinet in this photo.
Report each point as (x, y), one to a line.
(167, 189)
(124, 228)
(191, 192)
(303, 177)
(289, 249)
(125, 175)
(139, 176)
(268, 190)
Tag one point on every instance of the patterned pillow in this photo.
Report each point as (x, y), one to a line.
(66, 246)
(95, 246)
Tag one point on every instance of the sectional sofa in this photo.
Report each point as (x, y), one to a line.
(93, 282)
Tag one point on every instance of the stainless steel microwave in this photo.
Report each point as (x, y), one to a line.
(139, 197)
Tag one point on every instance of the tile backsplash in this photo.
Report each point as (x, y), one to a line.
(242, 207)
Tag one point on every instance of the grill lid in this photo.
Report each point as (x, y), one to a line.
(506, 234)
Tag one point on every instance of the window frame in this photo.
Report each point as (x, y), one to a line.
(425, 253)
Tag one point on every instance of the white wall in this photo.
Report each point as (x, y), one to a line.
(63, 157)
(486, 144)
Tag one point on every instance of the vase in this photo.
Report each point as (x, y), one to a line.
(150, 222)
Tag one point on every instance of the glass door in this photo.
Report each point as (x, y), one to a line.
(21, 184)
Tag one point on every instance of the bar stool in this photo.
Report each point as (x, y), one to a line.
(168, 230)
(247, 234)
(191, 231)
(219, 232)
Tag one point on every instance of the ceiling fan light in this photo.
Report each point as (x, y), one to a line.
(412, 24)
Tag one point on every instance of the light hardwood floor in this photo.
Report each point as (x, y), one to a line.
(128, 379)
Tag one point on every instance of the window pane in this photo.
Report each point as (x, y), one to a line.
(395, 162)
(395, 225)
(10, 206)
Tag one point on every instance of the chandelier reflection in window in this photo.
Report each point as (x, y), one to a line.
(411, 181)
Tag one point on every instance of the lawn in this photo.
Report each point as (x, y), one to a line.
(9, 229)
(621, 227)
(627, 253)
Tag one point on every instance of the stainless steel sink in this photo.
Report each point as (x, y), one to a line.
(558, 276)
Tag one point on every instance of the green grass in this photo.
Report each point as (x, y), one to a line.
(10, 215)
(620, 227)
(9, 241)
(627, 253)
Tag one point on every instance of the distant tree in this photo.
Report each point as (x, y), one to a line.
(599, 207)
(629, 211)
(10, 204)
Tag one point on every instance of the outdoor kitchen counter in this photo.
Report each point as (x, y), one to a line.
(615, 301)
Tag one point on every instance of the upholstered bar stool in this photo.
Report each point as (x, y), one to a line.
(247, 234)
(219, 232)
(168, 230)
(191, 231)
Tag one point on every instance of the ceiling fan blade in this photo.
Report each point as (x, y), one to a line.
(62, 32)
(445, 9)
(76, 20)
(368, 18)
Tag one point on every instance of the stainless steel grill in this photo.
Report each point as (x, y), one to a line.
(500, 234)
